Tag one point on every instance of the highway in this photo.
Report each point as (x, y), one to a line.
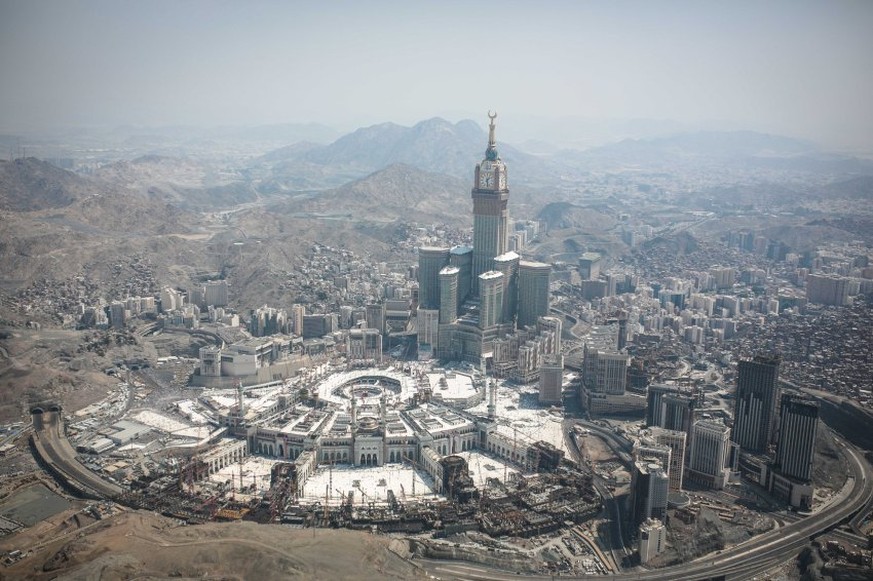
(55, 450)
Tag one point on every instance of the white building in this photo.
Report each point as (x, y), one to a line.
(710, 447)
(653, 540)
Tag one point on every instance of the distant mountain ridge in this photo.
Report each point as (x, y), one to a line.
(728, 148)
(433, 145)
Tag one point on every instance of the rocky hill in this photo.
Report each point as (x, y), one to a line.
(560, 215)
(399, 191)
(180, 181)
(29, 184)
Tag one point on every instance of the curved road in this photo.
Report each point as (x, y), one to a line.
(56, 451)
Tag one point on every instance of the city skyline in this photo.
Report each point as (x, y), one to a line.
(799, 69)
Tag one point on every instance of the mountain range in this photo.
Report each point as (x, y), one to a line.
(434, 145)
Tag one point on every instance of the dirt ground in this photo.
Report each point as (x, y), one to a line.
(143, 545)
(595, 449)
(68, 366)
(42, 365)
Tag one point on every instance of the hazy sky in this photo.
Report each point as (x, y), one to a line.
(801, 68)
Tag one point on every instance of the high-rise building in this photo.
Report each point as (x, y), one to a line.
(268, 321)
(605, 372)
(461, 257)
(486, 295)
(430, 261)
(710, 448)
(507, 264)
(297, 312)
(723, 277)
(678, 411)
(490, 209)
(448, 294)
(653, 452)
(755, 405)
(798, 418)
(364, 347)
(655, 409)
(490, 299)
(376, 316)
(117, 315)
(550, 329)
(215, 293)
(676, 441)
(551, 380)
(171, 299)
(653, 540)
(428, 331)
(650, 487)
(589, 266)
(534, 279)
(318, 325)
(827, 289)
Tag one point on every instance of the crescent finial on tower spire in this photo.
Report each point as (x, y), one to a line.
(491, 152)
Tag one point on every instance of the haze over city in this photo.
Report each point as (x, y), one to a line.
(797, 68)
(470, 289)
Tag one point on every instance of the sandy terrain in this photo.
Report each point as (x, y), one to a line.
(595, 449)
(146, 546)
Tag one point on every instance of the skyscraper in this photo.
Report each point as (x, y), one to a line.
(490, 299)
(430, 261)
(605, 372)
(798, 418)
(461, 257)
(448, 294)
(827, 289)
(490, 209)
(534, 279)
(755, 407)
(551, 375)
(709, 453)
(486, 294)
(507, 264)
(676, 441)
(649, 489)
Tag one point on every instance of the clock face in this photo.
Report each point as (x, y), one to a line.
(502, 181)
(485, 180)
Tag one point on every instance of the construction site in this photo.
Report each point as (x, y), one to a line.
(369, 449)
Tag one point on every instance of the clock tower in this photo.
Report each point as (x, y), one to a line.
(490, 211)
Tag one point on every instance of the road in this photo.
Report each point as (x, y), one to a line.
(616, 545)
(54, 449)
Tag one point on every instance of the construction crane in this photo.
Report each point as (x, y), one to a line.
(415, 464)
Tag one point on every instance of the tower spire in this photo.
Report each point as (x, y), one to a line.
(491, 152)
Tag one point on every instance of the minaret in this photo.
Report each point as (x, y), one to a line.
(492, 399)
(490, 209)
(239, 400)
(354, 428)
(383, 411)
(489, 390)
